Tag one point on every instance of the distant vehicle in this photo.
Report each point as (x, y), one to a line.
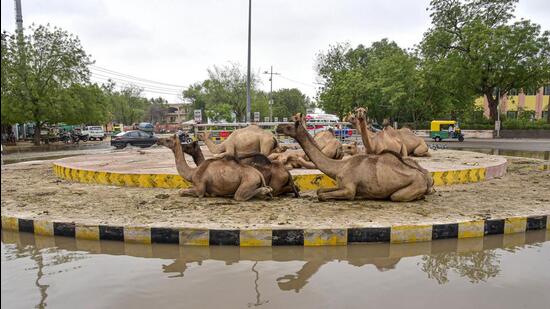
(117, 128)
(94, 132)
(146, 127)
(445, 129)
(321, 122)
(135, 138)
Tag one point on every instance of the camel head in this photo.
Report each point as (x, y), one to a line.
(291, 129)
(350, 149)
(279, 149)
(191, 148)
(169, 142)
(203, 135)
(361, 113)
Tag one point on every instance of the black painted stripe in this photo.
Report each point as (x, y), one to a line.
(536, 223)
(63, 229)
(443, 231)
(493, 227)
(287, 237)
(224, 237)
(369, 234)
(26, 225)
(165, 235)
(111, 232)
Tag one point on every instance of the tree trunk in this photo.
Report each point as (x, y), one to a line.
(493, 107)
(37, 130)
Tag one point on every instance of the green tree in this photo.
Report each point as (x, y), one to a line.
(38, 69)
(287, 102)
(126, 106)
(483, 50)
(158, 108)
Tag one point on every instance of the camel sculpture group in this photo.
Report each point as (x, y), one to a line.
(251, 163)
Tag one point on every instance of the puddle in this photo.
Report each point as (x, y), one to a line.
(500, 271)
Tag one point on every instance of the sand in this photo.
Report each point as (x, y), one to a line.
(31, 190)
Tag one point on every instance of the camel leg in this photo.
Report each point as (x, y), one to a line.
(421, 151)
(325, 190)
(306, 164)
(409, 193)
(338, 194)
(404, 152)
(247, 191)
(188, 192)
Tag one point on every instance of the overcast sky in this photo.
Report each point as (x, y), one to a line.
(175, 42)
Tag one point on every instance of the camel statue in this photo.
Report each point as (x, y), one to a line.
(416, 146)
(378, 142)
(251, 139)
(218, 177)
(275, 174)
(384, 176)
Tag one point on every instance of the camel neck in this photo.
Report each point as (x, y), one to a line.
(324, 164)
(214, 149)
(184, 170)
(366, 136)
(198, 156)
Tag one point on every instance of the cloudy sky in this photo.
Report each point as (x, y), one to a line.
(171, 44)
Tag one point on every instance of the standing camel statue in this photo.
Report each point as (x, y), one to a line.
(416, 146)
(251, 139)
(218, 177)
(275, 174)
(384, 176)
(375, 143)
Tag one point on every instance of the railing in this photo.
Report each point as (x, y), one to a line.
(221, 131)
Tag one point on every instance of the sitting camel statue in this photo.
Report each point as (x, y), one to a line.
(275, 174)
(384, 176)
(251, 139)
(416, 146)
(378, 142)
(218, 177)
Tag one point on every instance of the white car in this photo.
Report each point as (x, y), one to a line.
(94, 133)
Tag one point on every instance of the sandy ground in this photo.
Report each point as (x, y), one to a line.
(31, 190)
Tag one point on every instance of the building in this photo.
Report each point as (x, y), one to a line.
(178, 113)
(512, 103)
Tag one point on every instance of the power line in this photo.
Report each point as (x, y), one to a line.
(133, 77)
(299, 82)
(103, 80)
(107, 77)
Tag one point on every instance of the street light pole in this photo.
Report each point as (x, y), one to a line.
(271, 91)
(248, 69)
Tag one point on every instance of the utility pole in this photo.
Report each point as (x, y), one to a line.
(271, 92)
(248, 69)
(18, 16)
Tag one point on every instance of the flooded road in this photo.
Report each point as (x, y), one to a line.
(500, 271)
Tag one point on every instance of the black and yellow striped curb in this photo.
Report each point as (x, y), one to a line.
(278, 237)
(303, 182)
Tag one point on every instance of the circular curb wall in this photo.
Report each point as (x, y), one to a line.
(278, 237)
(303, 182)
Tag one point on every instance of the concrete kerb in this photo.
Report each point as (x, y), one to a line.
(279, 237)
(304, 182)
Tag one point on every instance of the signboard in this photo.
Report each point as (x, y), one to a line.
(198, 116)
(256, 116)
(285, 119)
(497, 125)
(266, 119)
(276, 119)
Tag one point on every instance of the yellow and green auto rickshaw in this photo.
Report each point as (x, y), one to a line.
(445, 129)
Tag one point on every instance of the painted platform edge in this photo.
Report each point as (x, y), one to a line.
(279, 237)
(304, 182)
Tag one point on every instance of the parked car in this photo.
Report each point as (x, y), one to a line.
(146, 127)
(94, 132)
(135, 138)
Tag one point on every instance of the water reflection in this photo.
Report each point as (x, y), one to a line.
(543, 155)
(477, 260)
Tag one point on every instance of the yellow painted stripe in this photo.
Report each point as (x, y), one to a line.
(471, 229)
(194, 237)
(137, 234)
(90, 232)
(325, 237)
(42, 227)
(411, 233)
(10, 223)
(255, 238)
(515, 225)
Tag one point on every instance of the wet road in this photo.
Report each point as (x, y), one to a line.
(500, 271)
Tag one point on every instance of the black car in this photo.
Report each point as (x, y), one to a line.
(135, 138)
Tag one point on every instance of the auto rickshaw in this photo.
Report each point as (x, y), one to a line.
(445, 129)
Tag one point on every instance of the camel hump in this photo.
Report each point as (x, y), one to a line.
(255, 159)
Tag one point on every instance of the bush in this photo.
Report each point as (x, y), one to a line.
(525, 124)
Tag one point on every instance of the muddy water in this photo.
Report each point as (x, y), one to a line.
(508, 271)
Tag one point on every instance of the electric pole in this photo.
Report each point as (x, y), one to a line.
(271, 91)
(248, 69)
(18, 16)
